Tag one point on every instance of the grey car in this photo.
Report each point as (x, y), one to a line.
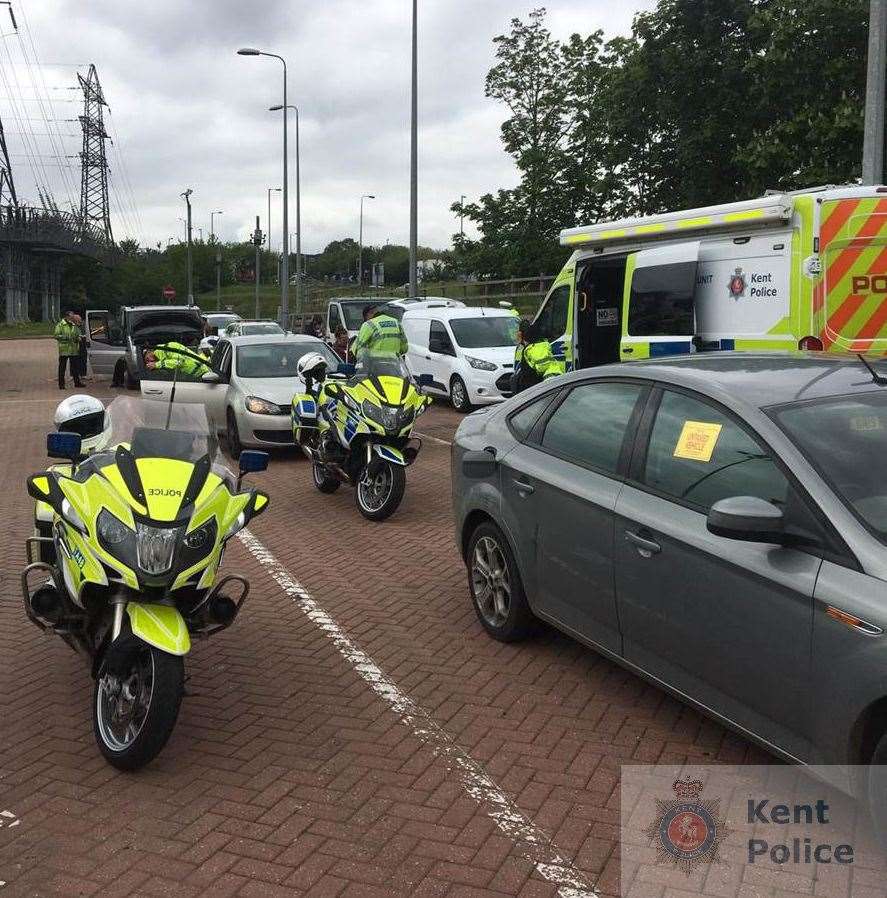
(716, 523)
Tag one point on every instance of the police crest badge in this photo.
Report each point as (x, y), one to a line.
(688, 830)
(736, 286)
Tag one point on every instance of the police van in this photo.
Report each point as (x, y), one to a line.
(796, 270)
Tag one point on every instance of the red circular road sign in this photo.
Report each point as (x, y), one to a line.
(169, 292)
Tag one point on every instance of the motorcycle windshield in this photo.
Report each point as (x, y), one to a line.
(161, 430)
(372, 365)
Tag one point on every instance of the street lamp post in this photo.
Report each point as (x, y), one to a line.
(284, 280)
(366, 196)
(187, 196)
(268, 225)
(212, 228)
(461, 215)
(414, 177)
(298, 208)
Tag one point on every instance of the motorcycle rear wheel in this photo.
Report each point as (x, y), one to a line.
(135, 707)
(379, 489)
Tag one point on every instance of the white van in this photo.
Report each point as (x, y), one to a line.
(469, 352)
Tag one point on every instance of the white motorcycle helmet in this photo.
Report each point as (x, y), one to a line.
(312, 365)
(85, 415)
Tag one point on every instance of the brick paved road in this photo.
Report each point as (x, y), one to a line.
(289, 772)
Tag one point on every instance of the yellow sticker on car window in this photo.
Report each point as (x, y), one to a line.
(697, 440)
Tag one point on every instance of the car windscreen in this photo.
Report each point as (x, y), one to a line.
(221, 321)
(277, 359)
(481, 333)
(353, 312)
(845, 439)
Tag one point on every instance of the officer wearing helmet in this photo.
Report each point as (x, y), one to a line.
(312, 369)
(87, 417)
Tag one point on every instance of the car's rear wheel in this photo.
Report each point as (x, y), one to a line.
(496, 588)
(459, 394)
(235, 447)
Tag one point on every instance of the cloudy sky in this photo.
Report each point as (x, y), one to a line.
(187, 112)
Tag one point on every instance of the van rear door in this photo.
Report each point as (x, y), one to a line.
(658, 315)
(850, 302)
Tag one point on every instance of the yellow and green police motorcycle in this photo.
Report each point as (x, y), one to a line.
(129, 573)
(356, 430)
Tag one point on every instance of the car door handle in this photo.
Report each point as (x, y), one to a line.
(153, 392)
(428, 357)
(647, 548)
(525, 489)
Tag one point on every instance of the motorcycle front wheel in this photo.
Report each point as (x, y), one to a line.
(380, 489)
(136, 702)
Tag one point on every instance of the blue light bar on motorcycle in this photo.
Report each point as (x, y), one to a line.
(63, 445)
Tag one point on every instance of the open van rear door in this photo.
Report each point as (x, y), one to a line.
(658, 315)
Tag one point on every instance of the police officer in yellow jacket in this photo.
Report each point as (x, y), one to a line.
(171, 356)
(380, 336)
(533, 358)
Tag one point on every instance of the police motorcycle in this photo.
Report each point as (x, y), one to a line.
(355, 424)
(126, 573)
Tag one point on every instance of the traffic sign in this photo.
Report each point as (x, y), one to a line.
(169, 293)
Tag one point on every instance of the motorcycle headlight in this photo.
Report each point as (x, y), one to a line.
(197, 539)
(480, 364)
(155, 547)
(262, 406)
(112, 531)
(71, 516)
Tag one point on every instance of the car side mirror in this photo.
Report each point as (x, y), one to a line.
(747, 518)
(64, 445)
(479, 464)
(211, 377)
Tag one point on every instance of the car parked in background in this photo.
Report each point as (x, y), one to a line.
(117, 342)
(468, 352)
(397, 307)
(244, 328)
(249, 392)
(716, 523)
(215, 323)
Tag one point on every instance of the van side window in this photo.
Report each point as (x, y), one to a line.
(552, 318)
(661, 302)
(439, 340)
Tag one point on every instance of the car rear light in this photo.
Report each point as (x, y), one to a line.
(811, 343)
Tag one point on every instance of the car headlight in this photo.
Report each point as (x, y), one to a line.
(112, 531)
(480, 364)
(155, 547)
(262, 406)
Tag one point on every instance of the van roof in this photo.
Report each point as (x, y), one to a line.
(442, 313)
(773, 208)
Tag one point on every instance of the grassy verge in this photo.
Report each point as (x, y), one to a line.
(30, 329)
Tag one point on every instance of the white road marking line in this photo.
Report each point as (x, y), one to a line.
(532, 841)
(7, 816)
(427, 436)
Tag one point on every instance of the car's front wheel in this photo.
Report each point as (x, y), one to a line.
(496, 588)
(235, 447)
(459, 394)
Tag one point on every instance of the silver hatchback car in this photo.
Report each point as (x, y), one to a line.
(716, 523)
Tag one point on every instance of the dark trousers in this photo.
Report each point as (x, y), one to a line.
(73, 364)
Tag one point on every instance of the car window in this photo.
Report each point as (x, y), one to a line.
(224, 358)
(439, 339)
(552, 318)
(215, 358)
(523, 421)
(589, 426)
(698, 454)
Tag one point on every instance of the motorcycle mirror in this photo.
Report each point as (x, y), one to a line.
(346, 369)
(425, 380)
(251, 461)
(64, 445)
